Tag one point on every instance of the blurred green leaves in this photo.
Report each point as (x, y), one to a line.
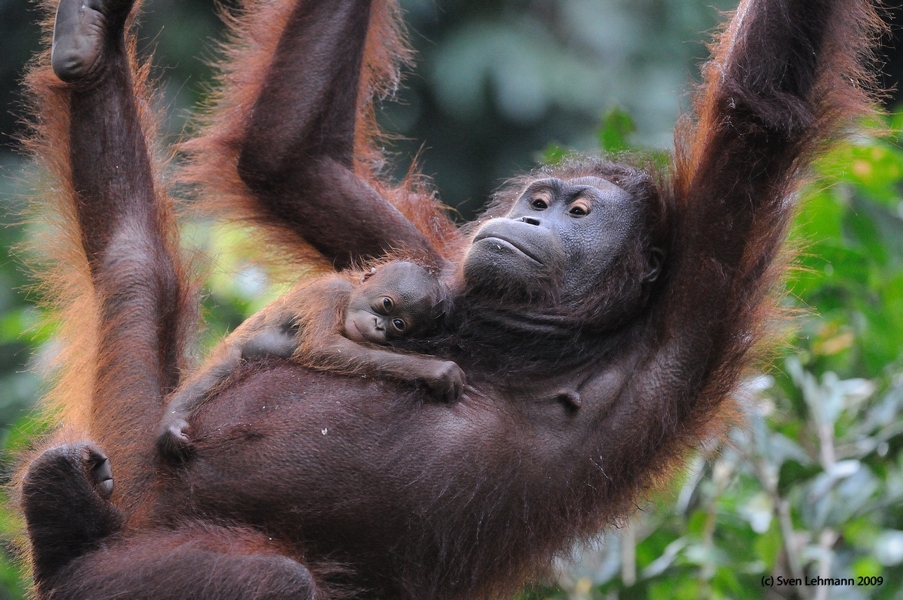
(616, 127)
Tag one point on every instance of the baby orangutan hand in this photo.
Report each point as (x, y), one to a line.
(445, 380)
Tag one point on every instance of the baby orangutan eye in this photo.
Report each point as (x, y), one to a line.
(388, 304)
(399, 324)
(539, 204)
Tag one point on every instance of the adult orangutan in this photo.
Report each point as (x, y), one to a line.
(603, 313)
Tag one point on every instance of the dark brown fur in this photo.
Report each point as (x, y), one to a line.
(255, 32)
(102, 283)
(575, 408)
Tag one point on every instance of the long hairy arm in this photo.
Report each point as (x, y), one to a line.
(291, 144)
(786, 79)
(128, 306)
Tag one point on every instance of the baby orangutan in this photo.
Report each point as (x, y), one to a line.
(329, 324)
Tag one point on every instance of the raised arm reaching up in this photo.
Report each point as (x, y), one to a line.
(128, 306)
(293, 133)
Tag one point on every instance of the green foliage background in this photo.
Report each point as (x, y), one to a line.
(813, 484)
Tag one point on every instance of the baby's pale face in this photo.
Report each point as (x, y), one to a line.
(392, 302)
(381, 318)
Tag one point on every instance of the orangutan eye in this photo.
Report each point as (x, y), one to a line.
(399, 324)
(388, 304)
(579, 208)
(539, 204)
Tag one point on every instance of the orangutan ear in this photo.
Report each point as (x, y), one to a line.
(656, 260)
(368, 274)
(439, 310)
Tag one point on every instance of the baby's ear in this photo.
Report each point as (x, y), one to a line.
(368, 274)
(439, 310)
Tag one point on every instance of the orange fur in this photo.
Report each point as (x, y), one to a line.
(486, 504)
(108, 408)
(213, 152)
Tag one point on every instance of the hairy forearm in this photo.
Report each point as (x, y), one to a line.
(785, 80)
(306, 107)
(787, 76)
(297, 152)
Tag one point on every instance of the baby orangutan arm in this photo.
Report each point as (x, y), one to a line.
(305, 325)
(260, 335)
(323, 346)
(443, 378)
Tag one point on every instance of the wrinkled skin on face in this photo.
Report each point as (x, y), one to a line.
(395, 301)
(561, 237)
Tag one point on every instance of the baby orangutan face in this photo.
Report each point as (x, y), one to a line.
(394, 301)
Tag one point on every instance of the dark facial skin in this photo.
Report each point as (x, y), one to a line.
(393, 302)
(557, 232)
